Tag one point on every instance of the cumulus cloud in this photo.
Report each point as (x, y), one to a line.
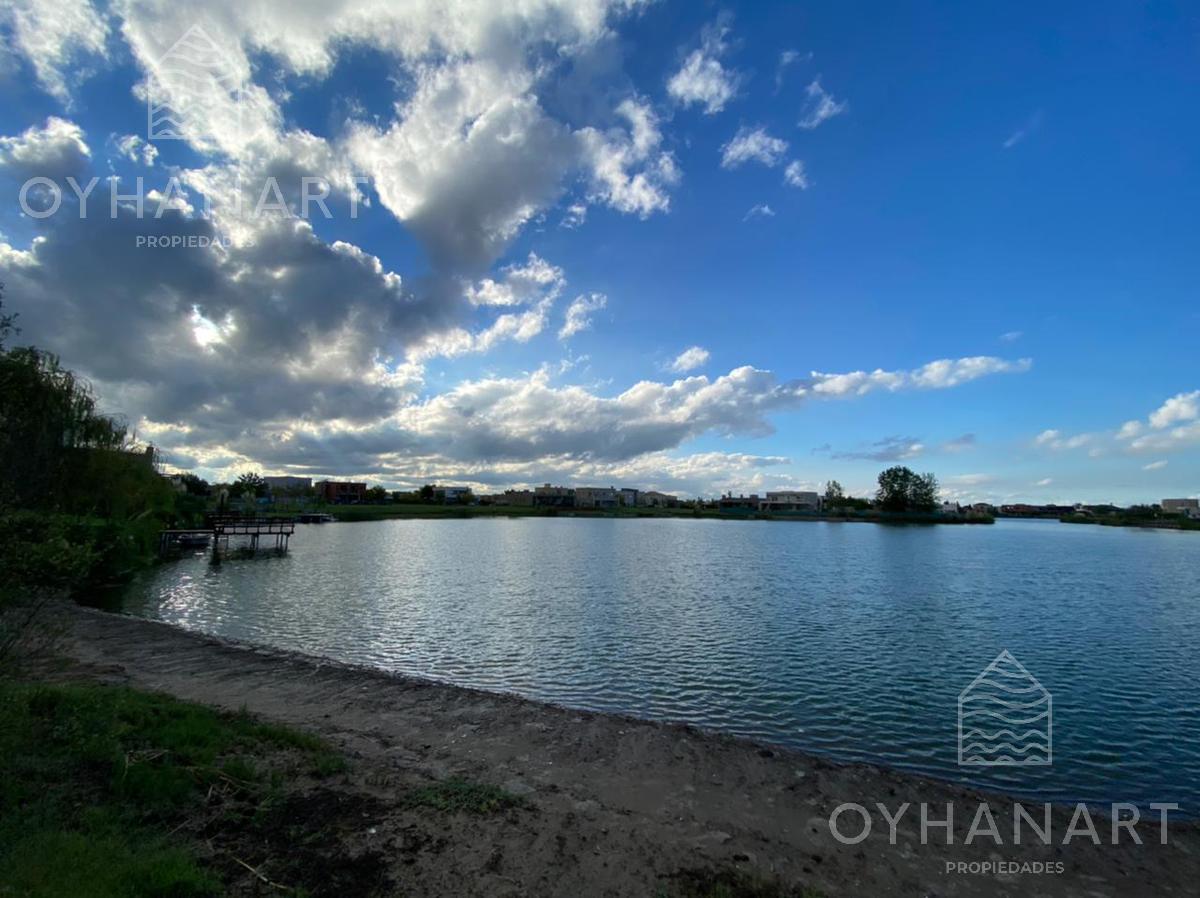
(55, 36)
(753, 145)
(795, 175)
(690, 359)
(820, 106)
(702, 79)
(936, 375)
(1173, 425)
(133, 148)
(579, 314)
(54, 150)
(628, 171)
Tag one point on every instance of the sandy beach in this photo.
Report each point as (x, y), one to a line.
(615, 806)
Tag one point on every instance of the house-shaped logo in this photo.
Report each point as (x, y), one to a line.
(193, 79)
(1005, 718)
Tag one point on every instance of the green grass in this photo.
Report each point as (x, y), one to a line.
(94, 780)
(456, 794)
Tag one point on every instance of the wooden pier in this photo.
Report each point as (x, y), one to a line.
(220, 529)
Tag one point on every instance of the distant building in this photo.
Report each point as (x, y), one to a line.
(341, 492)
(596, 497)
(451, 495)
(547, 496)
(513, 497)
(284, 484)
(791, 500)
(628, 497)
(732, 503)
(654, 499)
(1187, 507)
(951, 508)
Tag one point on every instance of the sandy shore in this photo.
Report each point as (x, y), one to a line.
(618, 806)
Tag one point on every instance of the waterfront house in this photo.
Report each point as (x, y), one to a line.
(341, 492)
(791, 500)
(284, 484)
(628, 497)
(596, 497)
(738, 504)
(547, 496)
(655, 499)
(1187, 507)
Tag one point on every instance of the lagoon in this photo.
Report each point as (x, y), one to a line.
(846, 639)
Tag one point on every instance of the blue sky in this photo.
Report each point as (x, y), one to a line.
(945, 235)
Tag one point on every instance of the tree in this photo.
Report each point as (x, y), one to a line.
(427, 493)
(901, 489)
(377, 495)
(923, 495)
(834, 494)
(193, 485)
(7, 322)
(250, 483)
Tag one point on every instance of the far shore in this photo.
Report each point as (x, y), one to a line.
(615, 806)
(368, 512)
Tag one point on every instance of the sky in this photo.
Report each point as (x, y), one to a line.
(684, 246)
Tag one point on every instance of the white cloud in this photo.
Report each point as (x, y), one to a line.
(702, 79)
(820, 107)
(691, 358)
(753, 145)
(53, 150)
(1045, 481)
(1056, 440)
(1011, 336)
(133, 148)
(937, 375)
(613, 155)
(761, 210)
(786, 60)
(795, 175)
(53, 35)
(1030, 126)
(1181, 407)
(578, 317)
(1155, 466)
(535, 280)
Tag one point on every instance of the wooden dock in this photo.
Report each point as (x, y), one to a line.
(220, 529)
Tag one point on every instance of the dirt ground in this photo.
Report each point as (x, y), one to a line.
(611, 806)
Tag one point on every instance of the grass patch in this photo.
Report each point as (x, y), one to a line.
(96, 781)
(728, 883)
(457, 794)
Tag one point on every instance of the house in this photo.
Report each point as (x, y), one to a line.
(654, 499)
(513, 497)
(547, 496)
(596, 497)
(731, 503)
(282, 484)
(951, 508)
(628, 497)
(452, 495)
(1187, 507)
(791, 500)
(341, 492)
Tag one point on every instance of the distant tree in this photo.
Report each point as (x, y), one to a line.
(901, 489)
(427, 493)
(834, 494)
(377, 494)
(7, 322)
(193, 485)
(250, 484)
(924, 494)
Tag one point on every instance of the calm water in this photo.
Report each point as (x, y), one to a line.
(853, 640)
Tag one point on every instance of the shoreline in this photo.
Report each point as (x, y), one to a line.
(621, 802)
